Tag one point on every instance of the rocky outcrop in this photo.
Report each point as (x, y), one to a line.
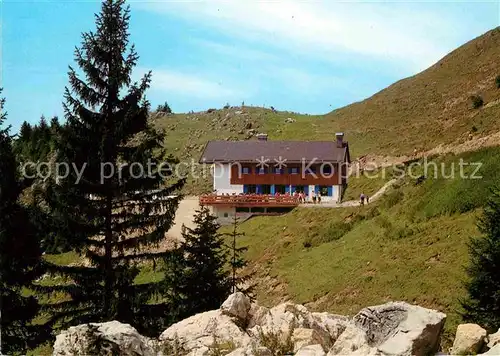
(111, 338)
(237, 306)
(494, 351)
(401, 328)
(241, 328)
(494, 339)
(203, 331)
(311, 350)
(469, 339)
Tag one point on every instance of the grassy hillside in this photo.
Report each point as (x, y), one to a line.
(411, 245)
(420, 112)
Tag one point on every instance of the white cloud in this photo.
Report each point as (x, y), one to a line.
(192, 85)
(389, 31)
(235, 51)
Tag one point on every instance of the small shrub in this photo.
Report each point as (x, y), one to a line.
(497, 81)
(420, 180)
(392, 198)
(384, 223)
(477, 101)
(372, 212)
(277, 344)
(165, 108)
(172, 348)
(336, 230)
(307, 243)
(394, 230)
(220, 348)
(401, 232)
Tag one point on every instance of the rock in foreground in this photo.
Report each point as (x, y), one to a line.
(243, 328)
(111, 338)
(469, 339)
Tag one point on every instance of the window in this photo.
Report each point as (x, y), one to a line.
(280, 188)
(293, 170)
(246, 170)
(226, 215)
(250, 189)
(261, 170)
(278, 170)
(266, 189)
(324, 191)
(300, 189)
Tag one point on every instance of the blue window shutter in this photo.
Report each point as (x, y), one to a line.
(330, 191)
(293, 189)
(273, 189)
(306, 190)
(245, 188)
(316, 189)
(258, 189)
(287, 188)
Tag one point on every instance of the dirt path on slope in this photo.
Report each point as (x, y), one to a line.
(183, 216)
(351, 203)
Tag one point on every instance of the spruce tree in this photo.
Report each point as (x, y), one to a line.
(239, 282)
(20, 255)
(40, 141)
(483, 303)
(22, 144)
(165, 108)
(199, 280)
(35, 143)
(112, 218)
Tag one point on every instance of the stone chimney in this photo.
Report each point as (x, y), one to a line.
(340, 139)
(262, 137)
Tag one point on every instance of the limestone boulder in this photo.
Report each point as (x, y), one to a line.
(237, 305)
(494, 339)
(251, 350)
(311, 350)
(285, 318)
(399, 328)
(113, 338)
(256, 315)
(333, 324)
(353, 340)
(304, 337)
(469, 339)
(204, 330)
(494, 351)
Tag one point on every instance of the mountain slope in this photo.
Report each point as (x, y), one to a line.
(431, 107)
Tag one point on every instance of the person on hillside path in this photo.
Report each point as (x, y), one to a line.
(314, 197)
(367, 199)
(362, 199)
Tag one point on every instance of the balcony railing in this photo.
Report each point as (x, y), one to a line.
(249, 200)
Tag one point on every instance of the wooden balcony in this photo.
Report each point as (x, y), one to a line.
(250, 200)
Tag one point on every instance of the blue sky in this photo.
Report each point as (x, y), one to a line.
(308, 57)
